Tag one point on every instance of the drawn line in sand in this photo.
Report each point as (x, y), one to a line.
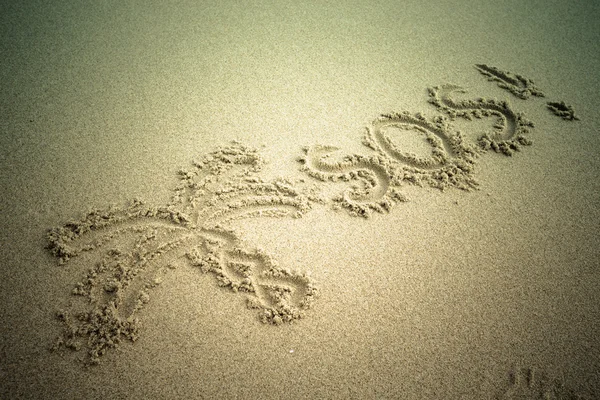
(376, 191)
(449, 160)
(530, 384)
(524, 88)
(131, 249)
(517, 84)
(562, 110)
(127, 251)
(510, 131)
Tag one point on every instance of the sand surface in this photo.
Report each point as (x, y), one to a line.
(271, 200)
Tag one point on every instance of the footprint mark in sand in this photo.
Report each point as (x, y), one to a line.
(530, 384)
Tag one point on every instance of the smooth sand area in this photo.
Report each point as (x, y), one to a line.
(267, 199)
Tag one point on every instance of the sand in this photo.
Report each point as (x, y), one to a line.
(277, 200)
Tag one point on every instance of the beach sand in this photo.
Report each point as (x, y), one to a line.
(273, 200)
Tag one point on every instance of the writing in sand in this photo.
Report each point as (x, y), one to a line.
(125, 252)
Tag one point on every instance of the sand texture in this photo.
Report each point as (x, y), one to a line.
(281, 200)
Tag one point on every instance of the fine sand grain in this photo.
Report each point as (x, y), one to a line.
(274, 200)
